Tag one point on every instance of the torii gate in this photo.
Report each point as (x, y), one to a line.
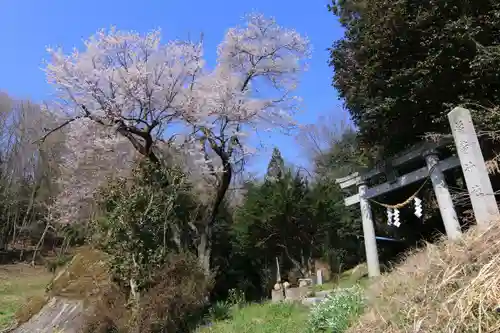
(469, 157)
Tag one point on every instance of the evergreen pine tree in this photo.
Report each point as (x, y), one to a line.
(276, 166)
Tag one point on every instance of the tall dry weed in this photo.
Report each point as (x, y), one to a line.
(450, 287)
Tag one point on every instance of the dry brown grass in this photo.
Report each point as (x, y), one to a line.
(444, 288)
(85, 276)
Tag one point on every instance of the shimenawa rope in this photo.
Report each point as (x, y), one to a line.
(407, 201)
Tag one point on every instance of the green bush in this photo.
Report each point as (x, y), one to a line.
(220, 310)
(142, 227)
(337, 312)
(236, 297)
(177, 298)
(142, 219)
(174, 302)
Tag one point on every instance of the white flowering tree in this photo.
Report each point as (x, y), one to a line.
(92, 155)
(147, 92)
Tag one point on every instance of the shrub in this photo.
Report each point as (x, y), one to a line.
(173, 302)
(142, 219)
(221, 310)
(177, 298)
(338, 311)
(236, 297)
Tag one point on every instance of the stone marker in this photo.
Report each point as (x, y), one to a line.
(474, 168)
(277, 296)
(297, 294)
(319, 277)
(305, 282)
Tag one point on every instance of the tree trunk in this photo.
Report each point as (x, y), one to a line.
(205, 233)
(204, 249)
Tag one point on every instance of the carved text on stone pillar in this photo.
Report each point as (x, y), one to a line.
(476, 190)
(468, 166)
(474, 168)
(459, 126)
(464, 146)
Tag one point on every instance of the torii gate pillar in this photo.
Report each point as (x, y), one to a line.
(369, 232)
(445, 202)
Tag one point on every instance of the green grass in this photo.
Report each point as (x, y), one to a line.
(18, 283)
(263, 318)
(336, 313)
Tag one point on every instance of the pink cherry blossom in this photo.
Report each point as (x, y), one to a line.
(126, 91)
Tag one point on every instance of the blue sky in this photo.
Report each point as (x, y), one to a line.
(27, 27)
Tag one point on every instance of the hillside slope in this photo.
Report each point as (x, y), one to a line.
(447, 287)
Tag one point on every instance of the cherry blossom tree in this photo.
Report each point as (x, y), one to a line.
(100, 155)
(127, 81)
(148, 93)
